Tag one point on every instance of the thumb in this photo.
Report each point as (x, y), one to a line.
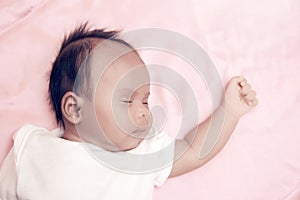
(240, 81)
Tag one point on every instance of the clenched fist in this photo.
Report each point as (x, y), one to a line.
(239, 97)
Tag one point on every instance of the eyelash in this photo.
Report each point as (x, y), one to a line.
(145, 103)
(127, 101)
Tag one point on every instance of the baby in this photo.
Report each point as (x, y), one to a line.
(107, 147)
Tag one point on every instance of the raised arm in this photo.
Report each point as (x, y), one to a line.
(207, 139)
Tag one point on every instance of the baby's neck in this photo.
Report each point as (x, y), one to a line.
(70, 136)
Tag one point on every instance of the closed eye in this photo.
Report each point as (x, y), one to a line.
(125, 101)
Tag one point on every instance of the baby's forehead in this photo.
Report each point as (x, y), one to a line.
(113, 54)
(109, 50)
(115, 62)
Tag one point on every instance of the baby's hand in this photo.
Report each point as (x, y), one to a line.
(239, 97)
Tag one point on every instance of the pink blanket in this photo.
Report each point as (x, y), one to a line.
(258, 39)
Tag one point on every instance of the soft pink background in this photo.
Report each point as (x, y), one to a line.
(258, 39)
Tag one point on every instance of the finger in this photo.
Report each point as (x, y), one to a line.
(250, 96)
(253, 102)
(241, 81)
(246, 89)
(238, 78)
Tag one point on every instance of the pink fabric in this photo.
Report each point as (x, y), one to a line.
(258, 39)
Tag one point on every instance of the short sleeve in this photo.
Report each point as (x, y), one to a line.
(8, 178)
(165, 146)
(162, 176)
(9, 171)
(162, 146)
(168, 143)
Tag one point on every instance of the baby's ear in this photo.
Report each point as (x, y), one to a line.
(71, 106)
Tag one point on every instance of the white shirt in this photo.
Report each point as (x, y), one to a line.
(43, 166)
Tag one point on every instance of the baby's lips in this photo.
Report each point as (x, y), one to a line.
(142, 122)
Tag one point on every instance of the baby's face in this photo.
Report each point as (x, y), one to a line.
(121, 102)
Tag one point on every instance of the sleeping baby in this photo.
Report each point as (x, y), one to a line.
(106, 147)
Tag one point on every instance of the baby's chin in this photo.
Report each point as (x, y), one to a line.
(129, 140)
(130, 145)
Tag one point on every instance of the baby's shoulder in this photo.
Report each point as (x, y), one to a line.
(28, 133)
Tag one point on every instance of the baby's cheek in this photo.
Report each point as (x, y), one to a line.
(104, 119)
(122, 116)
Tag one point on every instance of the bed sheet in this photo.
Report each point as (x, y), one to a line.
(258, 39)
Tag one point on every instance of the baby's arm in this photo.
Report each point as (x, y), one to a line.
(239, 99)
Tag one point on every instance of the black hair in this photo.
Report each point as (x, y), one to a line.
(73, 52)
